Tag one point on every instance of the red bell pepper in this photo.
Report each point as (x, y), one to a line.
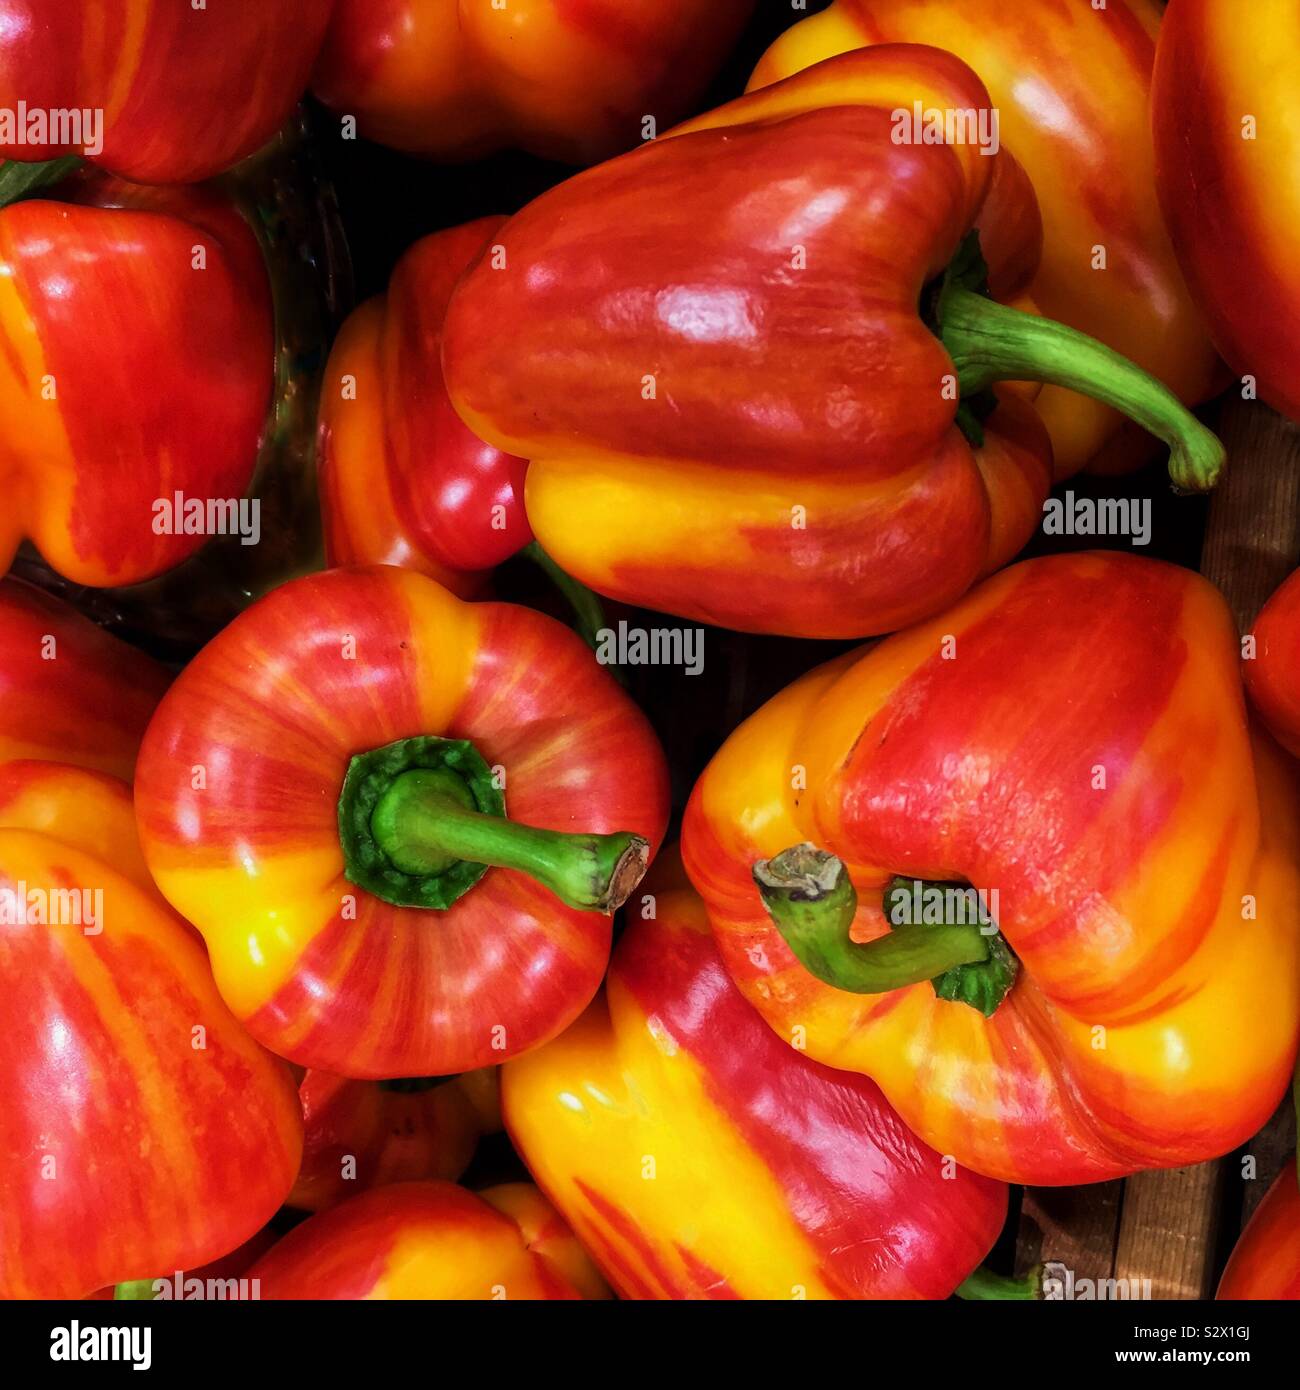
(138, 351)
(402, 480)
(1072, 737)
(1228, 173)
(163, 91)
(1271, 665)
(430, 1240)
(1265, 1264)
(69, 692)
(323, 786)
(575, 80)
(773, 1176)
(751, 363)
(362, 1134)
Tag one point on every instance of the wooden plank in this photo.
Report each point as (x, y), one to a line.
(1168, 1228)
(1073, 1226)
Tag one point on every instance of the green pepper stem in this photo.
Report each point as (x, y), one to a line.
(809, 896)
(422, 826)
(984, 1286)
(588, 612)
(135, 1290)
(991, 342)
(19, 179)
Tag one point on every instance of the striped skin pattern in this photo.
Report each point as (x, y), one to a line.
(798, 470)
(1083, 749)
(120, 1152)
(391, 1136)
(70, 692)
(773, 1177)
(126, 373)
(1232, 202)
(1272, 675)
(1071, 85)
(402, 480)
(564, 79)
(184, 92)
(273, 709)
(428, 1240)
(1266, 1261)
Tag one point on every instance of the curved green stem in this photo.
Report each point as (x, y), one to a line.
(985, 1286)
(588, 612)
(422, 826)
(991, 342)
(809, 896)
(421, 819)
(135, 1290)
(21, 180)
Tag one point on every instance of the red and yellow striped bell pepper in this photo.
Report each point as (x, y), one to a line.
(1265, 1263)
(1271, 665)
(1228, 173)
(431, 1240)
(696, 1156)
(174, 91)
(1073, 737)
(752, 364)
(321, 789)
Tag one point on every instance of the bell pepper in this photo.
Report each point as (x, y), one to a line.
(136, 327)
(429, 1240)
(161, 92)
(1071, 742)
(1265, 1264)
(696, 1156)
(120, 1153)
(1228, 175)
(70, 692)
(574, 80)
(198, 1283)
(324, 786)
(363, 1134)
(750, 364)
(1071, 85)
(1271, 665)
(402, 480)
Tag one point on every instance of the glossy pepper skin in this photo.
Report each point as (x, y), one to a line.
(1266, 1261)
(70, 692)
(773, 1176)
(1072, 735)
(572, 80)
(1228, 173)
(429, 1240)
(138, 363)
(1272, 670)
(1071, 84)
(183, 92)
(402, 480)
(363, 1134)
(120, 1152)
(731, 358)
(322, 970)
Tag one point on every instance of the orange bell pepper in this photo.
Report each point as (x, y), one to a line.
(430, 1240)
(573, 80)
(120, 1152)
(1071, 738)
(696, 1156)
(1228, 172)
(166, 91)
(752, 364)
(1071, 84)
(1265, 1263)
(321, 793)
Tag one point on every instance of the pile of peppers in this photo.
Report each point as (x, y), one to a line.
(370, 928)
